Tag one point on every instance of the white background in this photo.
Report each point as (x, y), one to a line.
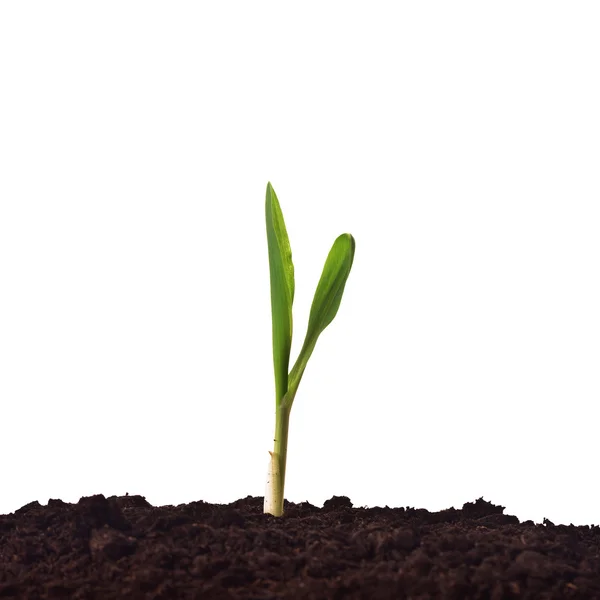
(458, 142)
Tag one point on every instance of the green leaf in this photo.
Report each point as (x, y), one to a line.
(282, 290)
(325, 305)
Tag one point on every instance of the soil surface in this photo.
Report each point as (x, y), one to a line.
(122, 547)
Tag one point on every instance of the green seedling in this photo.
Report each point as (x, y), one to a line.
(323, 310)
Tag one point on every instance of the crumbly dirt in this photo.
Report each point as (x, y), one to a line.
(122, 547)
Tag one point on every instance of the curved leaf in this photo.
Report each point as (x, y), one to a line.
(325, 304)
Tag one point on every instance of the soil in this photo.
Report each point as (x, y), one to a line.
(122, 547)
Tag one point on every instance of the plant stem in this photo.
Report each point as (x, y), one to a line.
(282, 425)
(276, 475)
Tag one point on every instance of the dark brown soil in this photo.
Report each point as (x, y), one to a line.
(122, 547)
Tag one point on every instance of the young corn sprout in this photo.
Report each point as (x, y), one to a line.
(324, 308)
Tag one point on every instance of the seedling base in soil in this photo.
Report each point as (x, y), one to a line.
(122, 547)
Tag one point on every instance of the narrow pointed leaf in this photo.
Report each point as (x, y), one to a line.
(281, 270)
(325, 304)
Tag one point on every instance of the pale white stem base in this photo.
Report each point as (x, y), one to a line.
(273, 493)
